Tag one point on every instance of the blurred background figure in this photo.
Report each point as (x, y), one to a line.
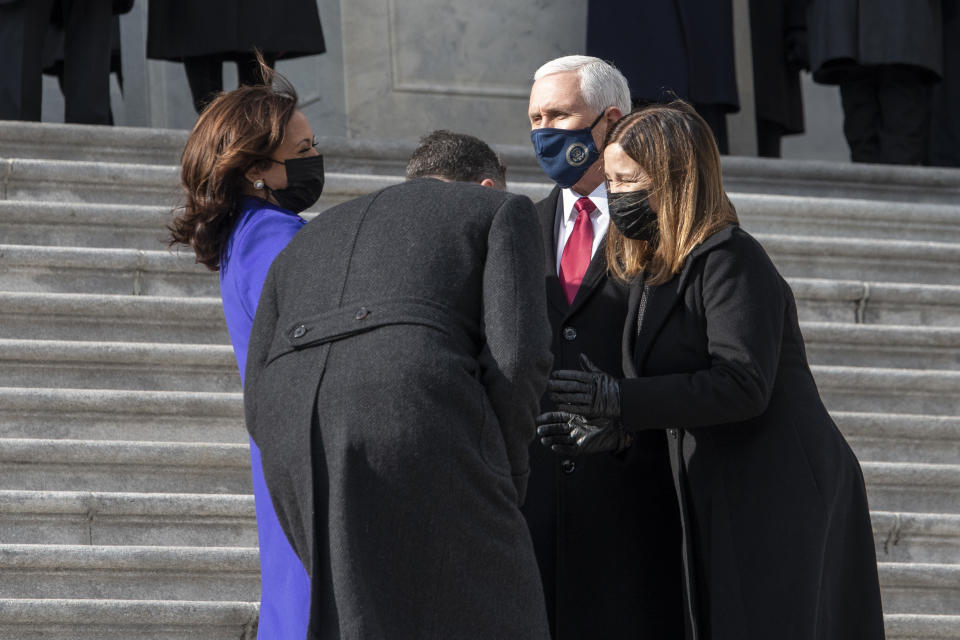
(778, 37)
(86, 27)
(671, 49)
(944, 124)
(54, 48)
(204, 35)
(886, 55)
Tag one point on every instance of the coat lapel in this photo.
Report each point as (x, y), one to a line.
(547, 212)
(662, 299)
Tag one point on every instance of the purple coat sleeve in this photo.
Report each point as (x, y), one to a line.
(250, 253)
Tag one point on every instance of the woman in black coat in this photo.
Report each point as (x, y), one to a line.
(777, 541)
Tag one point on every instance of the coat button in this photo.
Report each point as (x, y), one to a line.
(569, 333)
(672, 433)
(300, 331)
(568, 466)
(361, 313)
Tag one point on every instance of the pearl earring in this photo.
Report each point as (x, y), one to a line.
(258, 184)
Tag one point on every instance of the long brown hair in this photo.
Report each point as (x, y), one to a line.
(675, 148)
(238, 130)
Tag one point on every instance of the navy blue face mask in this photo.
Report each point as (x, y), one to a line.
(565, 154)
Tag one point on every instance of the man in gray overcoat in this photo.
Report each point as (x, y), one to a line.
(396, 361)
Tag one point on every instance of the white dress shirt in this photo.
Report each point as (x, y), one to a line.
(567, 217)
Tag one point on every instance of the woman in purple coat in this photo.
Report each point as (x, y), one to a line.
(249, 167)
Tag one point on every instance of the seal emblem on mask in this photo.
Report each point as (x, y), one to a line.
(577, 154)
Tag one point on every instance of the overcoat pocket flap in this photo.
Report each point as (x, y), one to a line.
(345, 322)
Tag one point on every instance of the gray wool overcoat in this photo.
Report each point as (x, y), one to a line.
(396, 361)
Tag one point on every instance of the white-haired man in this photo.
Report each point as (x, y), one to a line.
(605, 527)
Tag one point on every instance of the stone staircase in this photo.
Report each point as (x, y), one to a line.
(125, 506)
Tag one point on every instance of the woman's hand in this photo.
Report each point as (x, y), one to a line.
(569, 435)
(590, 393)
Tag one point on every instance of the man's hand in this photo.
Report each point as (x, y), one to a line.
(590, 393)
(569, 435)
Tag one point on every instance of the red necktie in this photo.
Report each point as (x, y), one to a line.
(578, 250)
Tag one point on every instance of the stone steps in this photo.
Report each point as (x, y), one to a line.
(914, 487)
(140, 226)
(380, 157)
(127, 518)
(35, 269)
(877, 390)
(847, 217)
(203, 367)
(908, 626)
(863, 259)
(67, 222)
(891, 437)
(916, 537)
(107, 414)
(105, 619)
(111, 465)
(836, 343)
(118, 365)
(199, 320)
(930, 588)
(104, 317)
(90, 297)
(135, 572)
(871, 302)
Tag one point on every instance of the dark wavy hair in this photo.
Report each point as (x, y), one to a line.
(238, 130)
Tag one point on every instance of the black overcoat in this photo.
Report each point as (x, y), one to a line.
(776, 86)
(777, 532)
(845, 34)
(679, 46)
(605, 528)
(177, 29)
(396, 360)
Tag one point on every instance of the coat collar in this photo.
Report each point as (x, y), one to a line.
(661, 300)
(596, 271)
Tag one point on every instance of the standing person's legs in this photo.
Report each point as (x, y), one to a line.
(248, 69)
(769, 134)
(716, 117)
(861, 116)
(23, 25)
(905, 104)
(86, 61)
(205, 75)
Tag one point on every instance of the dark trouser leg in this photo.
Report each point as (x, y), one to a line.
(205, 75)
(861, 117)
(86, 61)
(905, 102)
(716, 117)
(248, 69)
(22, 28)
(768, 138)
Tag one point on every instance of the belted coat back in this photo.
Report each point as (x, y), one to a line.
(396, 361)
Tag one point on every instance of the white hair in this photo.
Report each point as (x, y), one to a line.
(601, 84)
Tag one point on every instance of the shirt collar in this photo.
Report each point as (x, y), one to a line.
(598, 196)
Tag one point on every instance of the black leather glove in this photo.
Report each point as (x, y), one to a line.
(569, 435)
(590, 393)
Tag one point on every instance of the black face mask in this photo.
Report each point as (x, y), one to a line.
(304, 184)
(632, 214)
